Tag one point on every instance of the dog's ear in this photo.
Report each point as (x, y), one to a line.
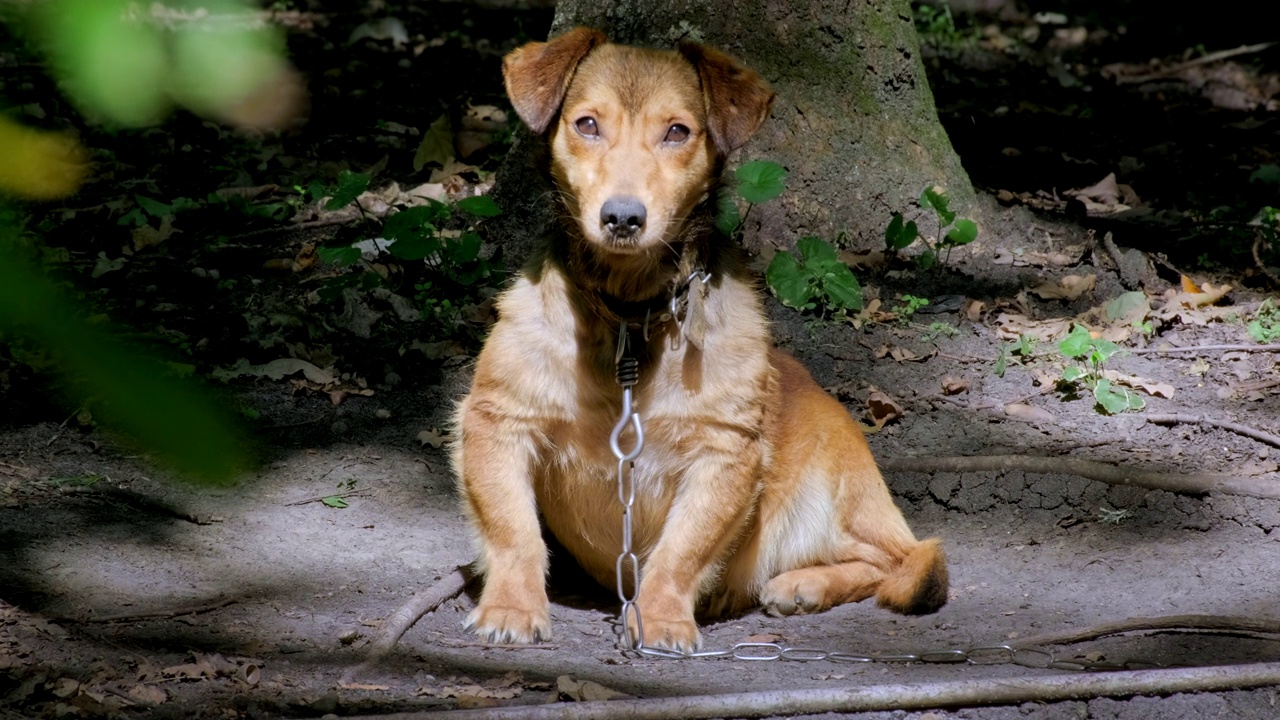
(537, 75)
(737, 98)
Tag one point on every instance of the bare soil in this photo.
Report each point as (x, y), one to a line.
(125, 592)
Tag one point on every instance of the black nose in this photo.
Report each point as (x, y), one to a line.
(622, 216)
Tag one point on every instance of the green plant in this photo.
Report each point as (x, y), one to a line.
(936, 330)
(817, 278)
(908, 307)
(758, 181)
(1111, 516)
(1091, 355)
(1023, 348)
(1265, 325)
(952, 231)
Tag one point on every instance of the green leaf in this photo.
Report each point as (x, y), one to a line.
(926, 260)
(154, 208)
(900, 235)
(1002, 359)
(842, 288)
(1072, 374)
(414, 247)
(728, 217)
(964, 232)
(464, 249)
(1130, 306)
(350, 185)
(816, 251)
(341, 256)
(334, 501)
(1025, 345)
(1116, 400)
(1077, 344)
(934, 198)
(760, 181)
(480, 205)
(417, 222)
(788, 281)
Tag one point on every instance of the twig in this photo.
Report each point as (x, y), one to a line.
(1227, 623)
(1257, 258)
(1203, 60)
(339, 217)
(879, 698)
(1190, 484)
(159, 614)
(396, 624)
(1259, 435)
(319, 498)
(1205, 348)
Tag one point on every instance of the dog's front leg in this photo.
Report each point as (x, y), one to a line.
(716, 495)
(497, 453)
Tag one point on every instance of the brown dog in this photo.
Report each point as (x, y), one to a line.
(754, 486)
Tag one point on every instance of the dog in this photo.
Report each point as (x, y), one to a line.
(754, 487)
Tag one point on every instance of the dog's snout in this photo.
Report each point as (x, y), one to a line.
(622, 216)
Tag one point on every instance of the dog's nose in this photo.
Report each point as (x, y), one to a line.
(622, 216)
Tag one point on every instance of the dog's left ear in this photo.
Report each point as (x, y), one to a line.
(737, 98)
(537, 74)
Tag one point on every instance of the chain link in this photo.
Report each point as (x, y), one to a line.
(628, 568)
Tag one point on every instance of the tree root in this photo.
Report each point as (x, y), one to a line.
(1259, 435)
(398, 622)
(873, 698)
(1189, 484)
(1204, 348)
(1219, 623)
(158, 614)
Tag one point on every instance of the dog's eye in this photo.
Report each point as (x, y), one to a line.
(676, 134)
(587, 126)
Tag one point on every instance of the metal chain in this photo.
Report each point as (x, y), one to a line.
(628, 568)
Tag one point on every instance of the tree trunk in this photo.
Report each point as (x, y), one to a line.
(854, 123)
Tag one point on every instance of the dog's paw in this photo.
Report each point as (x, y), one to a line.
(497, 624)
(668, 633)
(797, 592)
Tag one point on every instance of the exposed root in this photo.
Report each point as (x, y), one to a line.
(1188, 484)
(1219, 623)
(1259, 435)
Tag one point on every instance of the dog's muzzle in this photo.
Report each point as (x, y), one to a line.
(622, 217)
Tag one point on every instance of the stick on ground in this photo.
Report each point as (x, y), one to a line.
(873, 698)
(1218, 623)
(1259, 435)
(1188, 484)
(449, 587)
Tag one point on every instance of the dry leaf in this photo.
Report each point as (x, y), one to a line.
(148, 694)
(972, 310)
(585, 690)
(147, 236)
(1028, 413)
(1176, 303)
(1150, 387)
(1069, 287)
(1189, 285)
(434, 438)
(1199, 367)
(1010, 325)
(954, 385)
(882, 409)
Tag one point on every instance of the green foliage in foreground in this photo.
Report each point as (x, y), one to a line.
(135, 395)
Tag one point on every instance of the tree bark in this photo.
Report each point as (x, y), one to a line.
(854, 123)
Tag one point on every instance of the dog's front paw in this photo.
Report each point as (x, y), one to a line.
(796, 592)
(506, 624)
(668, 632)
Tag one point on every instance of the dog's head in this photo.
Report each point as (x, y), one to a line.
(637, 136)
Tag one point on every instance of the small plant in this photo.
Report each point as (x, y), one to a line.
(1091, 355)
(1111, 516)
(817, 278)
(937, 330)
(1022, 348)
(1265, 325)
(758, 181)
(908, 307)
(953, 231)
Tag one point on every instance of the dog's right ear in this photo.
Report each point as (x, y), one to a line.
(537, 75)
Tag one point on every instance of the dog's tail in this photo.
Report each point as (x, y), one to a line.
(918, 585)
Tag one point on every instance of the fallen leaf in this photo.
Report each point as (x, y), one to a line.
(1069, 287)
(1029, 413)
(1009, 326)
(1150, 387)
(1199, 367)
(585, 690)
(148, 694)
(1188, 285)
(105, 265)
(147, 236)
(882, 409)
(434, 438)
(954, 385)
(436, 145)
(763, 638)
(972, 310)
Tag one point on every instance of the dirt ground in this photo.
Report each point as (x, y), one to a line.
(126, 592)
